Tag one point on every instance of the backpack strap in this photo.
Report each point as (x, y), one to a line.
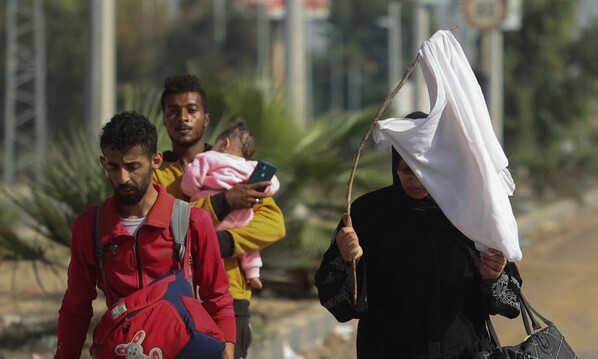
(179, 225)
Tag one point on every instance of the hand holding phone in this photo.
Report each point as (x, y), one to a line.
(264, 171)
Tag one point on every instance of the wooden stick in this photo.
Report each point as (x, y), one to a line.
(385, 104)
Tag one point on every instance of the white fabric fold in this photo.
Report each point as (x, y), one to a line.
(454, 151)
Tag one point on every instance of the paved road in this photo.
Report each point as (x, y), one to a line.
(560, 274)
(560, 271)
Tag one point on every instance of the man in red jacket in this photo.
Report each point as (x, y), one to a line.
(135, 222)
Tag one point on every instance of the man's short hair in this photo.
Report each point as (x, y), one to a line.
(128, 129)
(240, 132)
(180, 84)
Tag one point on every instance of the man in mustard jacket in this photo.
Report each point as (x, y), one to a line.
(184, 105)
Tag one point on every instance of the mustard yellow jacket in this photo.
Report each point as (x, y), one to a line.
(266, 227)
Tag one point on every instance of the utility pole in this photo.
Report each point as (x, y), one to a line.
(174, 8)
(337, 70)
(263, 48)
(101, 65)
(355, 84)
(422, 33)
(392, 22)
(219, 9)
(488, 16)
(492, 65)
(25, 129)
(296, 59)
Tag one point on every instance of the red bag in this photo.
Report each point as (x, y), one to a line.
(162, 320)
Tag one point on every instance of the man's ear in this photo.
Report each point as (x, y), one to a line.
(103, 161)
(207, 120)
(157, 160)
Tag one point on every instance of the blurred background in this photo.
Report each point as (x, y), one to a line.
(306, 76)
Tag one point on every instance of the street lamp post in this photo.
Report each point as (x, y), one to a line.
(392, 22)
(295, 60)
(335, 45)
(101, 70)
(337, 70)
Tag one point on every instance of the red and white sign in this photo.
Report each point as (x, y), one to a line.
(485, 15)
(314, 9)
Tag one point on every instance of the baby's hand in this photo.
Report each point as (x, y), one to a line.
(255, 283)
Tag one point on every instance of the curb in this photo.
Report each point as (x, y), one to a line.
(535, 218)
(300, 332)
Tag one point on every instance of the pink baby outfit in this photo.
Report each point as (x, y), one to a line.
(213, 172)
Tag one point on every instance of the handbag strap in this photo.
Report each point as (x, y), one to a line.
(493, 337)
(528, 311)
(528, 314)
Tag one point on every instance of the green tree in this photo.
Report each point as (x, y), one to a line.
(584, 68)
(15, 248)
(353, 35)
(66, 41)
(74, 180)
(190, 38)
(141, 27)
(12, 247)
(545, 106)
(314, 165)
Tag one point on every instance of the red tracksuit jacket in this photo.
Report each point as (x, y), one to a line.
(132, 263)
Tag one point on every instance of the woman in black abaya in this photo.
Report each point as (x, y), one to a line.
(424, 290)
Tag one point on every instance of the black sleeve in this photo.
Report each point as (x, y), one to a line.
(503, 293)
(334, 282)
(220, 205)
(225, 240)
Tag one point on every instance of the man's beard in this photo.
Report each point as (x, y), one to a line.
(136, 195)
(187, 143)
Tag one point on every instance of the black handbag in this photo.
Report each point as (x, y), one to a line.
(542, 342)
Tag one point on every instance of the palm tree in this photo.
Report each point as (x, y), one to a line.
(14, 248)
(73, 181)
(314, 165)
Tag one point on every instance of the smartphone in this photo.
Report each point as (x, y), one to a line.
(264, 171)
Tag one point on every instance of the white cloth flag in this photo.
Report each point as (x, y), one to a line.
(454, 151)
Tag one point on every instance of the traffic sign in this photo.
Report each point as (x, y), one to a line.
(485, 15)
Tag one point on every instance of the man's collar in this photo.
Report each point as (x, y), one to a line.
(158, 216)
